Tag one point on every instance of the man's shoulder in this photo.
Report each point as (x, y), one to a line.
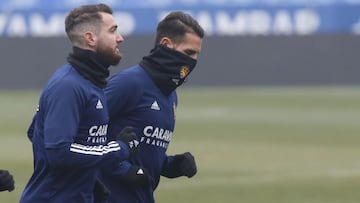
(135, 70)
(67, 78)
(68, 74)
(134, 75)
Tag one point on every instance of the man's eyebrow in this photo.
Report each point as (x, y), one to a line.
(192, 51)
(114, 27)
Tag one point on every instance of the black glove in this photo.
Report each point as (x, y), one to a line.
(101, 192)
(138, 176)
(128, 136)
(186, 164)
(6, 181)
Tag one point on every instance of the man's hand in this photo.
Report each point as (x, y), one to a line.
(138, 176)
(128, 136)
(186, 163)
(6, 181)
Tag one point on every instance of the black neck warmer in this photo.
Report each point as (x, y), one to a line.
(167, 67)
(90, 65)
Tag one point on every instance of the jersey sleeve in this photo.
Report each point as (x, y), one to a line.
(64, 105)
(102, 156)
(120, 171)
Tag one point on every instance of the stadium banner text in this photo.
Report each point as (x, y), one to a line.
(216, 20)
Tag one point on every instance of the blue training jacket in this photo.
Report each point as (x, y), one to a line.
(134, 100)
(70, 141)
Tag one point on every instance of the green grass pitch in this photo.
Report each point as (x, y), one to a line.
(252, 145)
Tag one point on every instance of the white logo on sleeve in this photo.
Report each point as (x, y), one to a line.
(140, 172)
(99, 105)
(155, 106)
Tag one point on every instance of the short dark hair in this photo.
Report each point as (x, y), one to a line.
(84, 17)
(175, 25)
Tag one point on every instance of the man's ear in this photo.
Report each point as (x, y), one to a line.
(166, 42)
(90, 39)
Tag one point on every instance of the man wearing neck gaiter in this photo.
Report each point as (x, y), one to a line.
(69, 129)
(144, 96)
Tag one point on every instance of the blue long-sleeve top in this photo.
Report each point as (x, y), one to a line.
(135, 100)
(69, 139)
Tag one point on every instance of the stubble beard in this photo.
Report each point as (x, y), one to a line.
(109, 56)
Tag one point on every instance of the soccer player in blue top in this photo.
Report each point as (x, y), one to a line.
(69, 129)
(144, 96)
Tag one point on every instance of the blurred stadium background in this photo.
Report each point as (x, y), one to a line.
(271, 112)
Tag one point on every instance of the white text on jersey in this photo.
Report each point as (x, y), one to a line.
(98, 130)
(159, 133)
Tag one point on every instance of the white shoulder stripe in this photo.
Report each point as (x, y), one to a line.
(95, 150)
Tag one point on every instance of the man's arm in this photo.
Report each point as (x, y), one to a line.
(64, 107)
